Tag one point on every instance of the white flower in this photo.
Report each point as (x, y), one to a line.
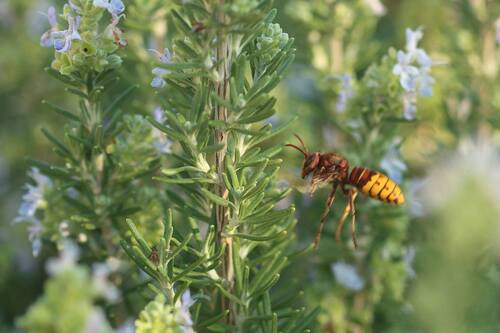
(183, 314)
(96, 322)
(347, 276)
(412, 39)
(101, 283)
(67, 259)
(64, 229)
(377, 7)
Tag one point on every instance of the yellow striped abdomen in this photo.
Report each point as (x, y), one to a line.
(376, 185)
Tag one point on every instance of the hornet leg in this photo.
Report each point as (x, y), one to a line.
(352, 197)
(349, 208)
(329, 203)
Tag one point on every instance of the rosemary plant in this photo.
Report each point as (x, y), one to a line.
(225, 242)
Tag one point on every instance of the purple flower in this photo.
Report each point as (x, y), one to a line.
(165, 57)
(46, 39)
(63, 39)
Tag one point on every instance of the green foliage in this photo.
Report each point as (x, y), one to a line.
(198, 198)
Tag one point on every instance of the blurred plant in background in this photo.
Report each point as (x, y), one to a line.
(431, 265)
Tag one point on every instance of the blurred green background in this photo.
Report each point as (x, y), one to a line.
(434, 267)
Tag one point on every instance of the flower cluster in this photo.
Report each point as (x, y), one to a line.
(33, 201)
(413, 68)
(81, 46)
(160, 317)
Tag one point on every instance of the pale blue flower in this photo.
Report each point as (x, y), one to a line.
(46, 39)
(63, 39)
(392, 163)
(413, 68)
(161, 142)
(346, 92)
(158, 81)
(410, 105)
(114, 7)
(35, 237)
(101, 283)
(33, 198)
(407, 73)
(412, 39)
(159, 114)
(183, 315)
(425, 83)
(165, 57)
(96, 322)
(67, 259)
(347, 276)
